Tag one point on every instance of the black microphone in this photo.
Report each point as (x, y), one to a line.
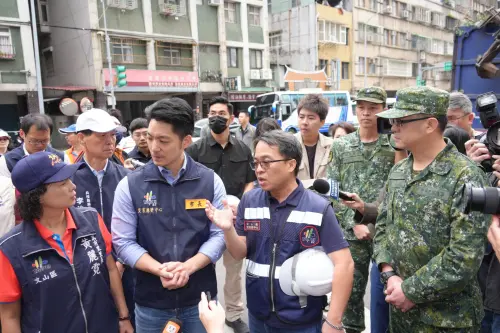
(330, 189)
(173, 325)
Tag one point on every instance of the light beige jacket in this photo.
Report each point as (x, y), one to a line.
(321, 160)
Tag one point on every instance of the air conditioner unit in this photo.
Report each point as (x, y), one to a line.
(329, 82)
(388, 10)
(215, 2)
(116, 3)
(168, 9)
(254, 74)
(266, 74)
(406, 14)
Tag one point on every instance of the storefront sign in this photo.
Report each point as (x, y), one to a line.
(243, 97)
(157, 80)
(233, 83)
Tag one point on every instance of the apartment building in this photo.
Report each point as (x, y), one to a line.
(233, 50)
(307, 38)
(17, 64)
(396, 41)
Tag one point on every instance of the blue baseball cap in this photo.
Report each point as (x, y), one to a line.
(68, 130)
(41, 168)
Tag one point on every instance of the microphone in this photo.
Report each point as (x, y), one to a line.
(330, 189)
(136, 163)
(173, 325)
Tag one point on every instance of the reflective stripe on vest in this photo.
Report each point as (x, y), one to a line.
(261, 270)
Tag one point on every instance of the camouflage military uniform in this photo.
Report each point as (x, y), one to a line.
(424, 234)
(360, 168)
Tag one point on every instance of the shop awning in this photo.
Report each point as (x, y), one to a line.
(70, 88)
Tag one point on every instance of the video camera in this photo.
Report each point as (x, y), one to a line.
(486, 106)
(485, 200)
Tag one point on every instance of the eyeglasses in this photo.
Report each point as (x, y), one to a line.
(265, 164)
(400, 122)
(38, 142)
(451, 118)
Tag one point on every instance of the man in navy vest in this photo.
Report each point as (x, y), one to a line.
(159, 224)
(274, 223)
(35, 132)
(96, 182)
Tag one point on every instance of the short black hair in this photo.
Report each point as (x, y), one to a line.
(458, 136)
(266, 125)
(29, 204)
(314, 103)
(138, 123)
(116, 113)
(41, 122)
(244, 112)
(347, 127)
(221, 100)
(287, 144)
(174, 111)
(442, 122)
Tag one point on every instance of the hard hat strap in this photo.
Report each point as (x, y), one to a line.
(295, 285)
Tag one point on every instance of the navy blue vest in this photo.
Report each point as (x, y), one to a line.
(13, 156)
(170, 232)
(267, 252)
(58, 296)
(90, 194)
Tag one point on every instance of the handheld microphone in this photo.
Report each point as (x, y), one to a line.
(173, 325)
(330, 189)
(136, 163)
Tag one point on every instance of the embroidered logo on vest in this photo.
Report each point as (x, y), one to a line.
(309, 236)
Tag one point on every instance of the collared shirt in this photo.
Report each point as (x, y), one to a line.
(246, 135)
(124, 222)
(231, 163)
(136, 154)
(99, 174)
(10, 289)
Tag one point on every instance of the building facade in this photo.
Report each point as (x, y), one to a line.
(396, 42)
(17, 64)
(306, 37)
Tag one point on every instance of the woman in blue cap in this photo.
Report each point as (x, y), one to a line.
(56, 274)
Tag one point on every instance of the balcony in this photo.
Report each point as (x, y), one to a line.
(7, 51)
(127, 52)
(174, 56)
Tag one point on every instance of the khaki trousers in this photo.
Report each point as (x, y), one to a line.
(233, 287)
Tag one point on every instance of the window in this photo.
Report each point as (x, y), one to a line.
(451, 22)
(255, 59)
(48, 61)
(402, 42)
(274, 40)
(122, 52)
(414, 69)
(420, 43)
(43, 8)
(437, 46)
(422, 15)
(374, 5)
(390, 38)
(360, 3)
(230, 12)
(438, 19)
(372, 64)
(345, 71)
(448, 48)
(295, 3)
(254, 15)
(372, 33)
(331, 32)
(172, 56)
(269, 6)
(323, 63)
(6, 48)
(232, 57)
(397, 68)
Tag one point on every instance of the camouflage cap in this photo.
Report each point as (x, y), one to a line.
(372, 94)
(417, 100)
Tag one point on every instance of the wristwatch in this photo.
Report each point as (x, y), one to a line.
(385, 276)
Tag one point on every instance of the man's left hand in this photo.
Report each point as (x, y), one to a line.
(180, 272)
(397, 297)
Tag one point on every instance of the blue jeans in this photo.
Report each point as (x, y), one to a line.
(490, 323)
(257, 326)
(149, 320)
(379, 308)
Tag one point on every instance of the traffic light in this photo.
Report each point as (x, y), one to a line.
(448, 66)
(121, 76)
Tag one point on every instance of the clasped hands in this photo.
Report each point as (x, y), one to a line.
(396, 296)
(174, 274)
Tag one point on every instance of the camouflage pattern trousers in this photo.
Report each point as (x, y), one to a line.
(354, 315)
(410, 322)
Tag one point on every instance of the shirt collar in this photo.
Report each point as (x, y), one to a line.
(212, 142)
(25, 151)
(92, 169)
(183, 168)
(46, 233)
(294, 198)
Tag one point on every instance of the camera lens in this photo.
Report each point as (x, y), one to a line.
(485, 200)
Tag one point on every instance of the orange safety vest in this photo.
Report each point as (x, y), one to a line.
(71, 157)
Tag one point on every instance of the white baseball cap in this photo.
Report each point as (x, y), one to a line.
(4, 134)
(97, 120)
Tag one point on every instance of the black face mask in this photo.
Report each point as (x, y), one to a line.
(217, 124)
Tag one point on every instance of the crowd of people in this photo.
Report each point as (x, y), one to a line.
(122, 233)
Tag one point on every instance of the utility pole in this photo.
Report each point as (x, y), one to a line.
(108, 56)
(37, 58)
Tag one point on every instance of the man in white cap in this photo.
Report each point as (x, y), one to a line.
(4, 141)
(96, 182)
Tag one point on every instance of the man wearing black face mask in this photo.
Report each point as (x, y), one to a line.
(230, 158)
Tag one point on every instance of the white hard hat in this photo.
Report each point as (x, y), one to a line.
(232, 200)
(308, 273)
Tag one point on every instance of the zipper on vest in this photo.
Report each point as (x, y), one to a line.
(102, 207)
(272, 270)
(80, 298)
(174, 225)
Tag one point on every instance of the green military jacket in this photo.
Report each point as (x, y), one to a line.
(424, 234)
(359, 170)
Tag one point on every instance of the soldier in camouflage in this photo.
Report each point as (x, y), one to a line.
(360, 163)
(428, 249)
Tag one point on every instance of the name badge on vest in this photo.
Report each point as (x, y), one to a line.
(251, 225)
(196, 204)
(309, 236)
